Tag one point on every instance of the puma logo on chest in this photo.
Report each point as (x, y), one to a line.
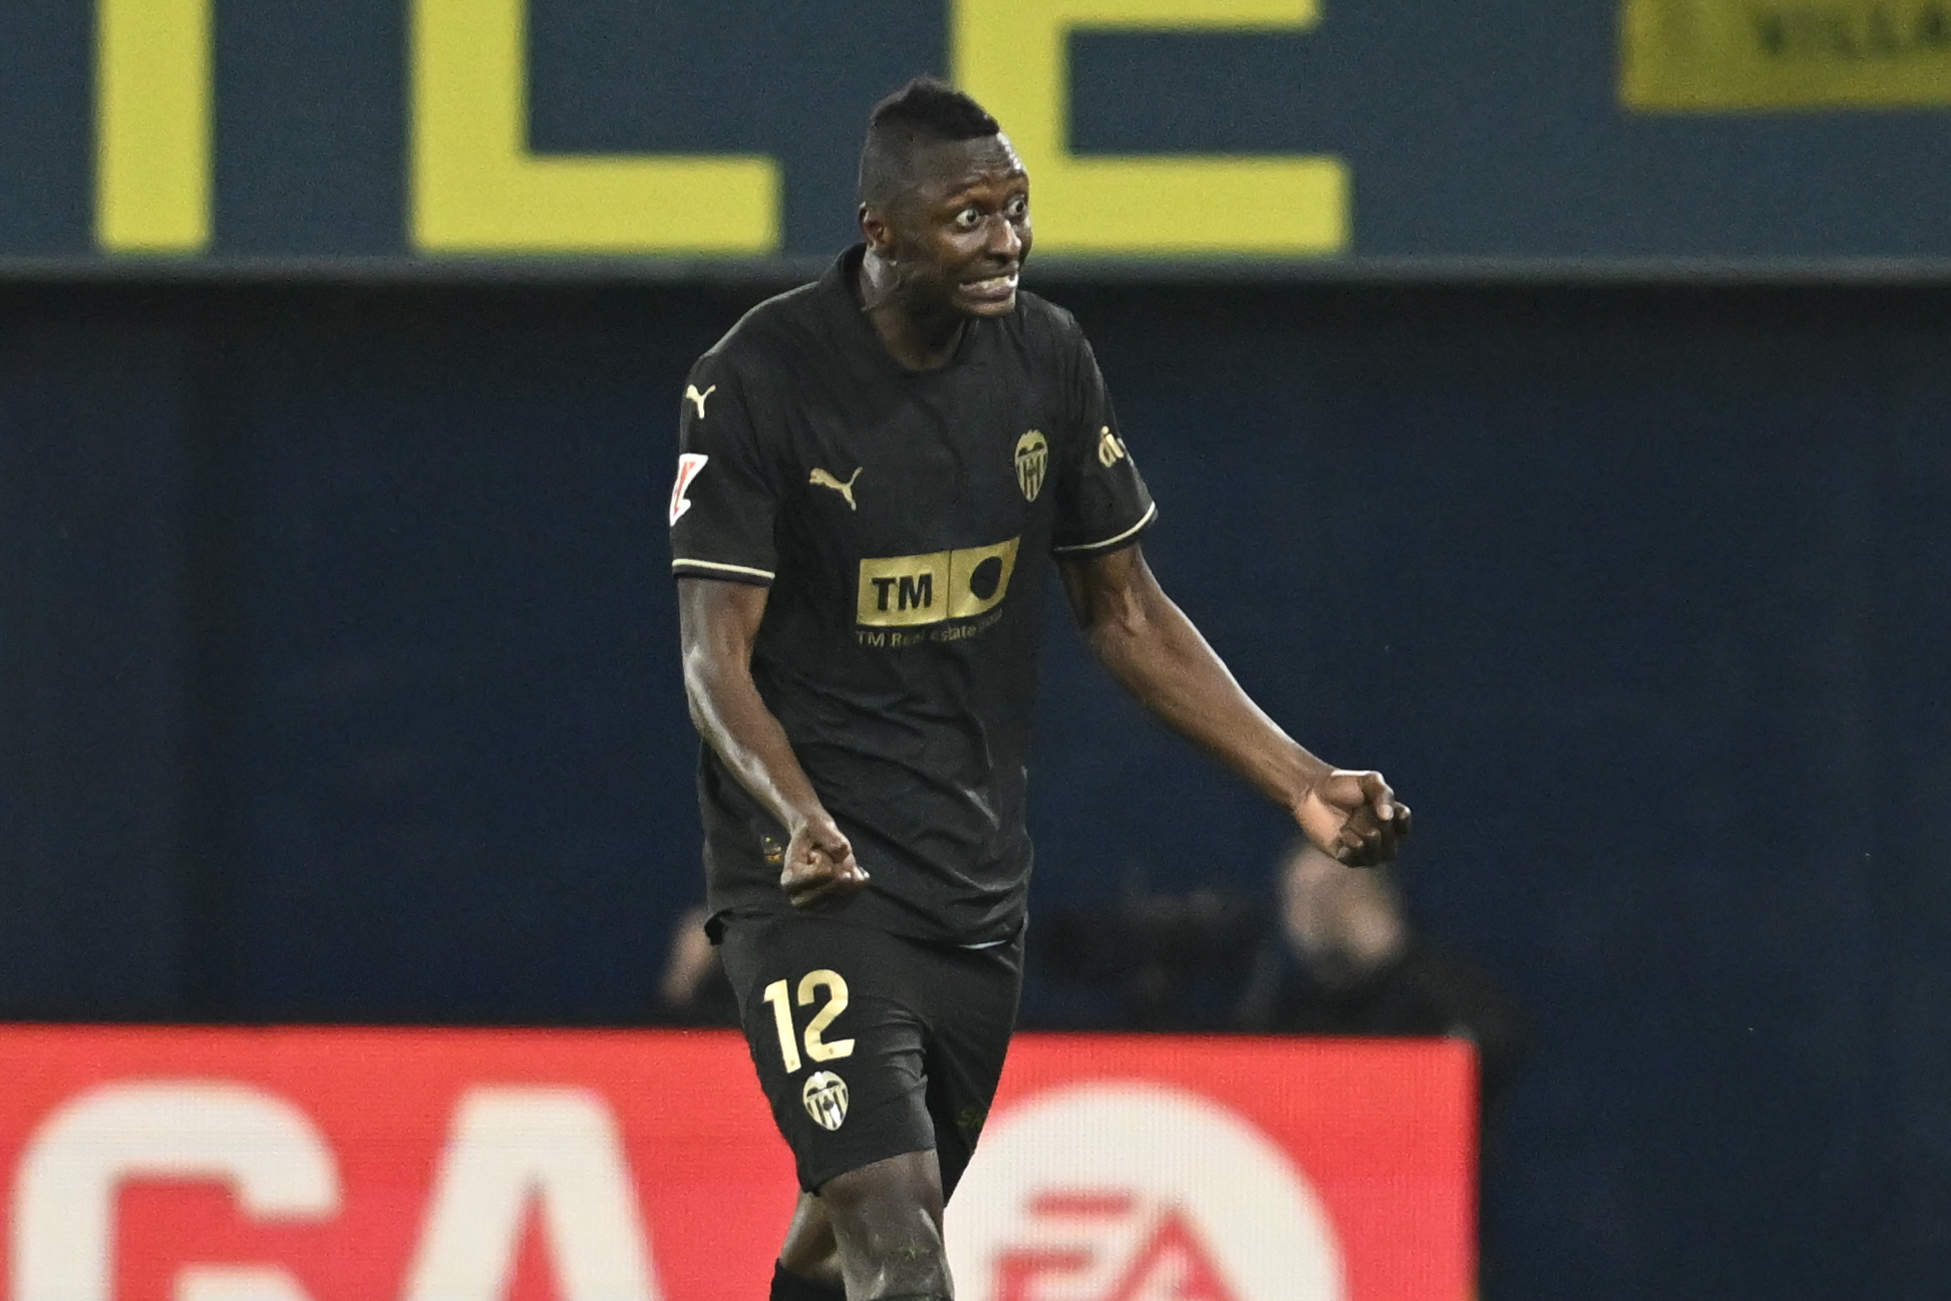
(822, 479)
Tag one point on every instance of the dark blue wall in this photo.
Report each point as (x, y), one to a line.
(94, 663)
(338, 681)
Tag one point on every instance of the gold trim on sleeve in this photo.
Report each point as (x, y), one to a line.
(766, 574)
(1150, 512)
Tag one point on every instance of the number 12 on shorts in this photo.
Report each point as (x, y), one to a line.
(782, 1018)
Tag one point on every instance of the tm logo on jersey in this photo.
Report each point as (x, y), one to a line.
(906, 591)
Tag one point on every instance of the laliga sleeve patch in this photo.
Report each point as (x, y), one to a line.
(688, 466)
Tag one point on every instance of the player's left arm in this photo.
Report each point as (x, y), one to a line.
(1153, 651)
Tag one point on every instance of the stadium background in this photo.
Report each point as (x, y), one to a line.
(1595, 489)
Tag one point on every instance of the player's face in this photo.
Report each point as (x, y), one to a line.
(961, 236)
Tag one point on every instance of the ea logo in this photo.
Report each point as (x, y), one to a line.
(1134, 1192)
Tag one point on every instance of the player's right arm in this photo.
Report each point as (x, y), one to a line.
(731, 478)
(718, 622)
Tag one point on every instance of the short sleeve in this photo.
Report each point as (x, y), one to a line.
(1102, 503)
(727, 490)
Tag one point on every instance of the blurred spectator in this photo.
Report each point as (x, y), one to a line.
(693, 990)
(1347, 962)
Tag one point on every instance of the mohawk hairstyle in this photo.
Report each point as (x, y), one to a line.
(925, 111)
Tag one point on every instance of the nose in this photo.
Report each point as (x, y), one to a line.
(1004, 241)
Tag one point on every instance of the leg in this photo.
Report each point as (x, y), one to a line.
(840, 1056)
(886, 1221)
(809, 1257)
(970, 1022)
(883, 1221)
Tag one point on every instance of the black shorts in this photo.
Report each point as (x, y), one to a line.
(869, 1045)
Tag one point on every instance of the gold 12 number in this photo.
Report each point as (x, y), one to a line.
(817, 1047)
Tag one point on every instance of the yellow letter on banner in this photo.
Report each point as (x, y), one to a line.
(1719, 56)
(477, 189)
(152, 126)
(1013, 55)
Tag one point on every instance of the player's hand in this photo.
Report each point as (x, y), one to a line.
(1354, 817)
(820, 868)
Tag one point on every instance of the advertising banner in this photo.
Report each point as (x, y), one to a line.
(282, 137)
(380, 1165)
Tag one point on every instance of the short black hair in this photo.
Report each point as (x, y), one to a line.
(925, 111)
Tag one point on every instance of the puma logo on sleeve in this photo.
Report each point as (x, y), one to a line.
(821, 479)
(696, 398)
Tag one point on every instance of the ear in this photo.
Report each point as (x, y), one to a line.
(874, 229)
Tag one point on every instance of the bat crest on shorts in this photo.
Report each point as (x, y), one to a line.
(825, 1096)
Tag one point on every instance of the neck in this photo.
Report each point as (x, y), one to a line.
(918, 341)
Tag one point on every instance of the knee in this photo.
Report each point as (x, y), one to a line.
(887, 1226)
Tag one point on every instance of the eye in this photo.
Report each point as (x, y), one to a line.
(1018, 208)
(968, 218)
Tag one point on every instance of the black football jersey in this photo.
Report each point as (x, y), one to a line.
(902, 522)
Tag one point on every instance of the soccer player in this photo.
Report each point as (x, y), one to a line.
(872, 469)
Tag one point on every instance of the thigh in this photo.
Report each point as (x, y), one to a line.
(835, 1039)
(970, 1008)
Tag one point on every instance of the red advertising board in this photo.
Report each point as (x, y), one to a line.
(397, 1165)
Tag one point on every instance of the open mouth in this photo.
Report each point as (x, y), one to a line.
(998, 286)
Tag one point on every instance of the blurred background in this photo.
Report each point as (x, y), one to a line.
(1573, 443)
